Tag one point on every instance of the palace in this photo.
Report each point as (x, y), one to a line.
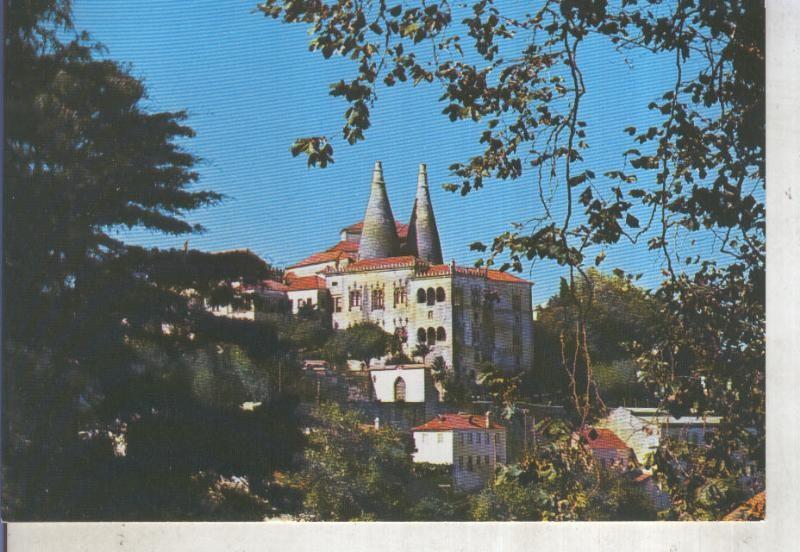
(394, 275)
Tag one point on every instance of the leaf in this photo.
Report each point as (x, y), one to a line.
(632, 221)
(575, 180)
(600, 258)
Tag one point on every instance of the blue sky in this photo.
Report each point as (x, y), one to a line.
(251, 87)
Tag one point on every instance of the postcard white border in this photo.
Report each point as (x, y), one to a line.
(779, 532)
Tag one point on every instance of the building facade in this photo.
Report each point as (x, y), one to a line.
(393, 275)
(472, 445)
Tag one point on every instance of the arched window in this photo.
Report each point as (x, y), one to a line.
(431, 336)
(431, 296)
(421, 336)
(399, 390)
(441, 335)
(420, 295)
(440, 295)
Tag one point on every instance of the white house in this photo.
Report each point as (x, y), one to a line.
(693, 429)
(473, 445)
(304, 291)
(643, 429)
(639, 434)
(410, 383)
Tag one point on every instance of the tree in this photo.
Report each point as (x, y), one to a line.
(697, 172)
(363, 341)
(421, 350)
(99, 331)
(352, 471)
(621, 315)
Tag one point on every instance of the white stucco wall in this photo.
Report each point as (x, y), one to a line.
(641, 436)
(306, 296)
(460, 322)
(383, 381)
(435, 447)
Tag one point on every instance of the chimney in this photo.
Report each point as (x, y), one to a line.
(377, 423)
(379, 233)
(423, 236)
(489, 419)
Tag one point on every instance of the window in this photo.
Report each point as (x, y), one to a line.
(440, 295)
(424, 437)
(486, 459)
(497, 459)
(496, 438)
(469, 463)
(486, 438)
(430, 315)
(476, 296)
(420, 295)
(431, 336)
(516, 302)
(458, 296)
(431, 296)
(440, 437)
(461, 462)
(337, 304)
(400, 296)
(470, 438)
(461, 438)
(377, 299)
(399, 390)
(477, 461)
(441, 334)
(355, 299)
(421, 335)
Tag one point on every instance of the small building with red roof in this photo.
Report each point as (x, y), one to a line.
(607, 448)
(471, 444)
(304, 291)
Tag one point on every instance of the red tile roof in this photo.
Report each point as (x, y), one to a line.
(752, 510)
(302, 283)
(348, 246)
(402, 229)
(600, 438)
(491, 274)
(449, 422)
(272, 285)
(406, 261)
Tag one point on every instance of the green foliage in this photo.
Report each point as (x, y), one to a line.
(697, 172)
(363, 341)
(457, 388)
(352, 472)
(421, 351)
(558, 480)
(106, 344)
(617, 314)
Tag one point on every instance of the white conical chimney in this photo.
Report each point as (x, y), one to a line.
(379, 233)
